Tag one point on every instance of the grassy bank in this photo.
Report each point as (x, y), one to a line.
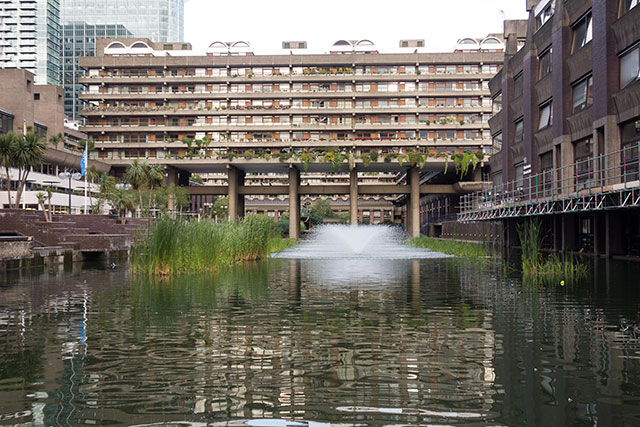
(537, 268)
(179, 246)
(450, 247)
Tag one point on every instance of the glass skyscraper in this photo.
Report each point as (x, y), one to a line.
(30, 38)
(84, 21)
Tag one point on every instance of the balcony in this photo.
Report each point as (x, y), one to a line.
(626, 30)
(495, 123)
(580, 63)
(544, 88)
(543, 140)
(581, 124)
(627, 101)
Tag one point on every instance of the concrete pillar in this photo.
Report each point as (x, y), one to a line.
(294, 203)
(235, 179)
(172, 179)
(413, 207)
(353, 197)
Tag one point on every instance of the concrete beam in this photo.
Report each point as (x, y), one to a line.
(353, 197)
(340, 189)
(294, 202)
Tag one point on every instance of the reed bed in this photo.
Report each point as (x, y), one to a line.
(553, 268)
(180, 246)
(450, 247)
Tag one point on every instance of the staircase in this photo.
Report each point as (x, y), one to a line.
(84, 233)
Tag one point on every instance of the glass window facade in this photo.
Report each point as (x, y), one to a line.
(84, 21)
(31, 39)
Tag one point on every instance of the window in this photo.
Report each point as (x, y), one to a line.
(546, 171)
(627, 5)
(582, 32)
(497, 142)
(582, 96)
(519, 132)
(36, 96)
(630, 133)
(519, 176)
(545, 14)
(545, 63)
(405, 44)
(6, 122)
(546, 115)
(630, 66)
(583, 153)
(497, 103)
(517, 81)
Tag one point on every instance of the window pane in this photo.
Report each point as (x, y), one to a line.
(545, 116)
(579, 95)
(629, 67)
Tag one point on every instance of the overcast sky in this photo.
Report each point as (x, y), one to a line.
(266, 23)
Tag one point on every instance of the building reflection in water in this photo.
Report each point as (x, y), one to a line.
(430, 341)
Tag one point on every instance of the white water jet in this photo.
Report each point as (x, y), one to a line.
(337, 241)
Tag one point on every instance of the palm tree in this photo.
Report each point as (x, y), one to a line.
(122, 202)
(155, 178)
(29, 151)
(55, 139)
(136, 176)
(41, 199)
(7, 150)
(84, 142)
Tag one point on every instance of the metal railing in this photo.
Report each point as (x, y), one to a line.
(597, 182)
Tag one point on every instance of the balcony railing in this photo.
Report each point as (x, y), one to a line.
(595, 176)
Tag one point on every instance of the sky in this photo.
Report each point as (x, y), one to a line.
(266, 23)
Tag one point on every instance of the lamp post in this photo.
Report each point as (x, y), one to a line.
(70, 173)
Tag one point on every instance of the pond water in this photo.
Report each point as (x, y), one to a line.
(315, 342)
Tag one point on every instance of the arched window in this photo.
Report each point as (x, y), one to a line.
(240, 44)
(116, 45)
(140, 45)
(342, 43)
(365, 42)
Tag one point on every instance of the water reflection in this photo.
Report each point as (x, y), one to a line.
(290, 343)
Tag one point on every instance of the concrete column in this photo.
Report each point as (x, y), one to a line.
(235, 179)
(353, 197)
(413, 207)
(294, 203)
(172, 179)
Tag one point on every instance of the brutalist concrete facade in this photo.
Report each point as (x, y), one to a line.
(570, 97)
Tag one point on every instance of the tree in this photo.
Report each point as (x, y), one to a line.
(7, 150)
(29, 151)
(322, 209)
(56, 139)
(136, 176)
(41, 199)
(221, 208)
(122, 201)
(86, 142)
(155, 178)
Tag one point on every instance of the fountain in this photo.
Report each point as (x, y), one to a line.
(337, 241)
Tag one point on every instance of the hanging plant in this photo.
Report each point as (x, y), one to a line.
(366, 159)
(351, 160)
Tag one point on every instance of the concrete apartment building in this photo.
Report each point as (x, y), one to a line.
(23, 105)
(567, 127)
(30, 38)
(86, 21)
(144, 99)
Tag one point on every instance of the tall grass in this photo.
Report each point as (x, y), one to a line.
(450, 247)
(537, 268)
(180, 246)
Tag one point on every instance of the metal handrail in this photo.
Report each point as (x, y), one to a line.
(596, 175)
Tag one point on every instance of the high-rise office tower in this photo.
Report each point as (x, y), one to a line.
(84, 21)
(30, 38)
